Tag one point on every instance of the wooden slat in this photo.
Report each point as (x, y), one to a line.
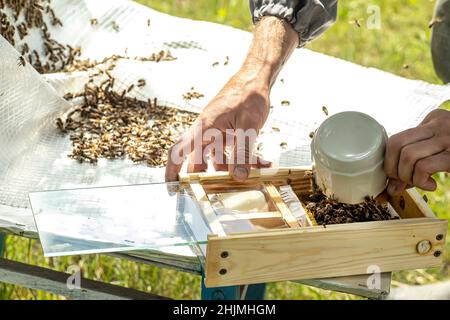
(317, 252)
(255, 174)
(409, 204)
(44, 279)
(250, 216)
(284, 210)
(208, 211)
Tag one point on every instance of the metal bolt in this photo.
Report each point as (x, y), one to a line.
(437, 253)
(222, 271)
(224, 254)
(439, 237)
(423, 246)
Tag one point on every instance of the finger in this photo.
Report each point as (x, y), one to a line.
(219, 153)
(198, 160)
(412, 153)
(261, 163)
(424, 168)
(396, 143)
(180, 151)
(242, 157)
(395, 186)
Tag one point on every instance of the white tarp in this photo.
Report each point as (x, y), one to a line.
(33, 155)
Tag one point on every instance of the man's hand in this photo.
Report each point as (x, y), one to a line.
(236, 115)
(412, 156)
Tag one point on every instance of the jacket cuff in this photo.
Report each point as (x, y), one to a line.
(310, 18)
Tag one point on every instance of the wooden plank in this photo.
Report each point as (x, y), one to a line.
(44, 279)
(265, 174)
(250, 216)
(208, 211)
(409, 204)
(284, 210)
(317, 252)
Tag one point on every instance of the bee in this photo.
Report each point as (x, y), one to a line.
(275, 129)
(425, 198)
(227, 60)
(115, 26)
(141, 83)
(21, 61)
(282, 81)
(94, 22)
(311, 134)
(405, 66)
(357, 23)
(325, 110)
(148, 22)
(60, 125)
(285, 103)
(260, 146)
(435, 21)
(215, 64)
(25, 49)
(283, 145)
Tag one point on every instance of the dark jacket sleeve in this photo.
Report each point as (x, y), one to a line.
(309, 18)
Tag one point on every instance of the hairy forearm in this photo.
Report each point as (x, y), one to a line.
(273, 42)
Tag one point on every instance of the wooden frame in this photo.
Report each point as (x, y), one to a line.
(417, 240)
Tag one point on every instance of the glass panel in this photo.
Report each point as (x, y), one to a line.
(111, 219)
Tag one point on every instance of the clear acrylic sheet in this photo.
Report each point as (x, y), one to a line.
(120, 218)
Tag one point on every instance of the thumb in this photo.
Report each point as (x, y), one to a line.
(242, 157)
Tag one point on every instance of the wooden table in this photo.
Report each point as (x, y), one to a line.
(183, 259)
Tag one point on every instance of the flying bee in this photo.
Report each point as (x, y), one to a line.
(325, 110)
(21, 61)
(285, 103)
(94, 22)
(141, 83)
(435, 21)
(283, 145)
(148, 22)
(115, 26)
(311, 134)
(227, 60)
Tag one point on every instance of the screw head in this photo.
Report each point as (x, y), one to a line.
(423, 246)
(224, 254)
(439, 237)
(222, 271)
(437, 253)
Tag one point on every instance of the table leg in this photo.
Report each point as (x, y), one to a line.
(256, 292)
(222, 293)
(252, 292)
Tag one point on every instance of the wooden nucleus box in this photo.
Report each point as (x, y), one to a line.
(272, 244)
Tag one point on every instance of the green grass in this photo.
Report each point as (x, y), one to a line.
(401, 47)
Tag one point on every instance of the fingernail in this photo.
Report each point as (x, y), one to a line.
(429, 185)
(391, 189)
(240, 172)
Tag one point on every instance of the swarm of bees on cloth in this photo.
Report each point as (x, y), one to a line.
(106, 121)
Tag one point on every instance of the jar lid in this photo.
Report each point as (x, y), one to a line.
(349, 142)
